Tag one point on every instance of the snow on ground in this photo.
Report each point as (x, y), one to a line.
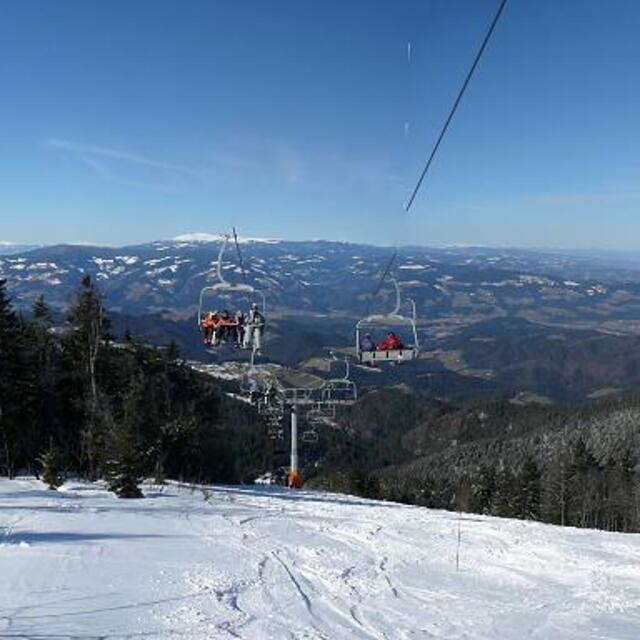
(261, 562)
(192, 238)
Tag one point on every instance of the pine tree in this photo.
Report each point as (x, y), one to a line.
(123, 468)
(14, 384)
(41, 358)
(51, 467)
(528, 498)
(585, 487)
(504, 494)
(619, 498)
(125, 463)
(41, 312)
(484, 489)
(173, 352)
(88, 323)
(557, 491)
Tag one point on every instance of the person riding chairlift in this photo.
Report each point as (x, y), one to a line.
(367, 343)
(227, 327)
(391, 343)
(240, 328)
(208, 325)
(255, 328)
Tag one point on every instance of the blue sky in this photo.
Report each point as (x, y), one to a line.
(130, 121)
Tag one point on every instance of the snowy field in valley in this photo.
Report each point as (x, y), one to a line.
(267, 563)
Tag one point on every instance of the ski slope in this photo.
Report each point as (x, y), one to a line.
(267, 563)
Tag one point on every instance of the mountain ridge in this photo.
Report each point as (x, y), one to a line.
(490, 321)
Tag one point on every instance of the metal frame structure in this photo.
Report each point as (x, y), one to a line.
(334, 392)
(274, 399)
(393, 319)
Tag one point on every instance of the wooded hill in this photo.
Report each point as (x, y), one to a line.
(102, 409)
(574, 465)
(71, 399)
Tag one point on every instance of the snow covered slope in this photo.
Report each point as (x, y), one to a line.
(265, 563)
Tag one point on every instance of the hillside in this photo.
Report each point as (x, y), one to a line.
(268, 564)
(572, 464)
(319, 277)
(493, 322)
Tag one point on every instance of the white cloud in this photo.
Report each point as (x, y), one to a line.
(88, 152)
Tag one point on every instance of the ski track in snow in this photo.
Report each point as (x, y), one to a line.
(260, 562)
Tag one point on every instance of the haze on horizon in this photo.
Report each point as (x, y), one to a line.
(126, 123)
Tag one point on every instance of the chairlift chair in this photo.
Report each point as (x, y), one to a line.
(316, 417)
(385, 322)
(321, 415)
(310, 436)
(223, 289)
(269, 407)
(335, 391)
(275, 430)
(254, 382)
(340, 390)
(270, 412)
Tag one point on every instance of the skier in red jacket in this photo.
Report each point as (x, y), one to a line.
(390, 343)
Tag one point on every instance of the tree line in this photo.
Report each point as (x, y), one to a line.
(576, 491)
(72, 400)
(576, 465)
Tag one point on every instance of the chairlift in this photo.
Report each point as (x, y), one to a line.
(387, 322)
(310, 436)
(272, 409)
(335, 391)
(275, 431)
(216, 295)
(340, 390)
(317, 416)
(270, 400)
(321, 415)
(254, 381)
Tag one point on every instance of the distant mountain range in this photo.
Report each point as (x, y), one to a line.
(523, 322)
(10, 248)
(455, 284)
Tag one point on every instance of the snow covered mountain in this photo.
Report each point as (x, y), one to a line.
(460, 285)
(11, 248)
(242, 562)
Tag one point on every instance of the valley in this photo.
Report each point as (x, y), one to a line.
(492, 322)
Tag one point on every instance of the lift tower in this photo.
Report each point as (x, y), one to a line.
(326, 397)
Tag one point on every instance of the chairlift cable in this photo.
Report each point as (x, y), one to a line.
(235, 240)
(454, 108)
(383, 277)
(385, 273)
